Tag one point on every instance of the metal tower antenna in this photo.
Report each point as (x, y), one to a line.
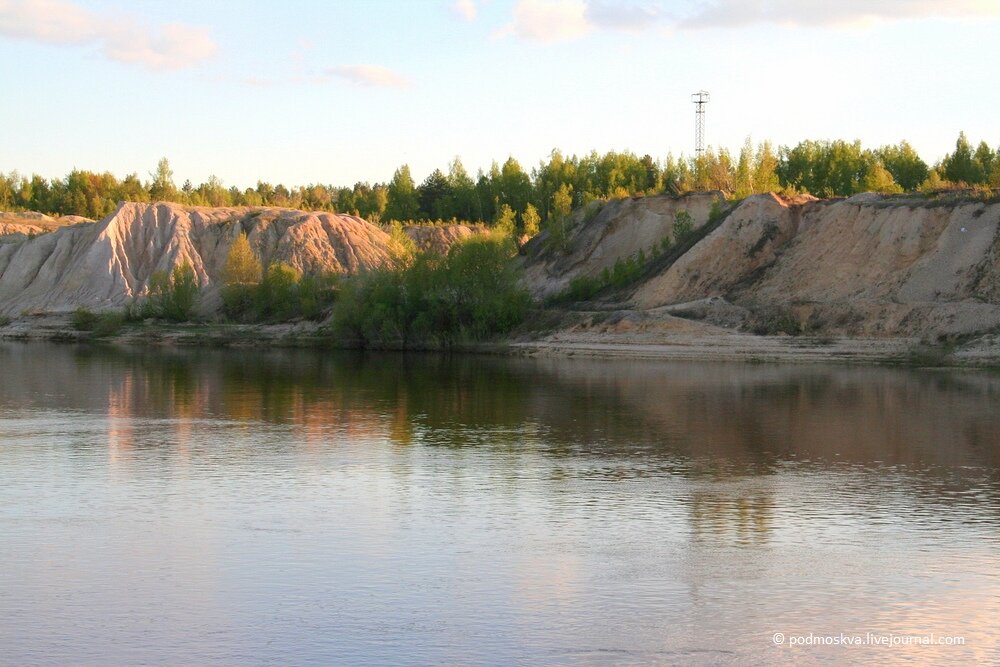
(700, 99)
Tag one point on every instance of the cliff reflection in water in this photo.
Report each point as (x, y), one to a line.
(722, 416)
(613, 419)
(313, 507)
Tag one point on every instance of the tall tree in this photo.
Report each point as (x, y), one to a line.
(162, 187)
(435, 197)
(960, 166)
(402, 204)
(465, 203)
(242, 265)
(515, 185)
(530, 221)
(904, 164)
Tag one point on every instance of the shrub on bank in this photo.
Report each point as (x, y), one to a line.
(99, 325)
(472, 293)
(172, 296)
(283, 294)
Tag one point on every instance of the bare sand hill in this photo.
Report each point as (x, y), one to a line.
(439, 238)
(861, 266)
(12, 232)
(32, 222)
(601, 233)
(868, 268)
(108, 263)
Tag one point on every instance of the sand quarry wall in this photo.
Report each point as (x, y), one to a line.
(602, 232)
(106, 264)
(863, 265)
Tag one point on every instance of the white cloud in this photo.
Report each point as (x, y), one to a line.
(734, 13)
(561, 20)
(624, 15)
(466, 9)
(548, 20)
(120, 38)
(368, 75)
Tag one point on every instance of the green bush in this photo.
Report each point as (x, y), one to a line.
(173, 296)
(84, 319)
(683, 226)
(284, 294)
(628, 270)
(98, 324)
(316, 294)
(239, 301)
(277, 295)
(472, 293)
(108, 324)
(582, 288)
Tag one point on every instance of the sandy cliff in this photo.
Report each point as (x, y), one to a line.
(602, 232)
(107, 263)
(439, 238)
(864, 266)
(867, 267)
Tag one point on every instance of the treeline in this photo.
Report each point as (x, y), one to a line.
(509, 194)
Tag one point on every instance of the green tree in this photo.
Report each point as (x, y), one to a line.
(743, 179)
(983, 160)
(530, 221)
(879, 179)
(435, 197)
(162, 187)
(506, 222)
(277, 296)
(241, 275)
(242, 264)
(765, 169)
(470, 294)
(683, 226)
(906, 167)
(562, 207)
(173, 296)
(402, 204)
(960, 166)
(464, 200)
(515, 186)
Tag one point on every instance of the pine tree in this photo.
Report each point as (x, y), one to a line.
(402, 204)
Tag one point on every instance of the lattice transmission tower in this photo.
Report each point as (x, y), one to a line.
(700, 99)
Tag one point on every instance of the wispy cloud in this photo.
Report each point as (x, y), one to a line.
(548, 20)
(624, 15)
(120, 38)
(563, 20)
(466, 9)
(368, 75)
(734, 13)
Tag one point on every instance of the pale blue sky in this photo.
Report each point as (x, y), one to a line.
(335, 92)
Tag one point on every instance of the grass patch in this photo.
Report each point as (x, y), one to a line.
(99, 325)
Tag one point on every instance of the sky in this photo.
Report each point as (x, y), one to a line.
(335, 92)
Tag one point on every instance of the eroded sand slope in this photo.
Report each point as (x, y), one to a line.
(864, 266)
(106, 264)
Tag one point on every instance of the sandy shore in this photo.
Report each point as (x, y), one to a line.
(694, 342)
(731, 347)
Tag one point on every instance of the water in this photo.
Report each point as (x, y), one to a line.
(247, 507)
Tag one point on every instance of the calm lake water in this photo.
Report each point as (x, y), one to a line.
(311, 508)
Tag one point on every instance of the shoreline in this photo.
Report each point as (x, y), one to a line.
(729, 346)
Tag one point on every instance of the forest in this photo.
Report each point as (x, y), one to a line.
(510, 196)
